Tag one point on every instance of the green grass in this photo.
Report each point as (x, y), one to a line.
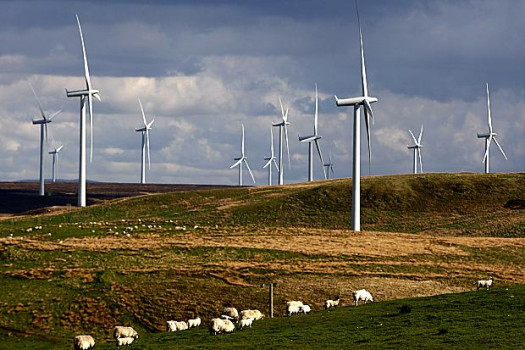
(472, 320)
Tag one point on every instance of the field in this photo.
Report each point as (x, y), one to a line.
(141, 260)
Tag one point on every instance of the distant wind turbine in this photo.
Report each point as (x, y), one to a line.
(86, 94)
(145, 145)
(491, 135)
(55, 162)
(282, 127)
(43, 136)
(329, 166)
(315, 139)
(242, 159)
(270, 159)
(417, 150)
(366, 101)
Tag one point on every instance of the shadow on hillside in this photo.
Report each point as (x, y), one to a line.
(515, 204)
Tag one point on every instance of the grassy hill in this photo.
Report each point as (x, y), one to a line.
(147, 259)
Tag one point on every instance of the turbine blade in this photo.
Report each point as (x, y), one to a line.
(488, 109)
(364, 83)
(147, 146)
(143, 115)
(316, 110)
(97, 96)
(367, 124)
(413, 137)
(368, 109)
(86, 68)
(276, 165)
(332, 168)
(45, 132)
(501, 149)
(271, 142)
(242, 141)
(420, 161)
(38, 101)
(488, 148)
(90, 104)
(282, 109)
(320, 156)
(250, 170)
(54, 114)
(269, 162)
(420, 135)
(59, 148)
(287, 145)
(150, 124)
(236, 163)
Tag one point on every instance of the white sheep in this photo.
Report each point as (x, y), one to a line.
(246, 322)
(363, 295)
(171, 326)
(195, 322)
(255, 314)
(226, 317)
(124, 341)
(305, 309)
(232, 312)
(484, 283)
(124, 332)
(181, 325)
(83, 342)
(292, 309)
(218, 325)
(331, 303)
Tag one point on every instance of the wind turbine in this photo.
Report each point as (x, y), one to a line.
(366, 101)
(329, 166)
(271, 159)
(491, 135)
(86, 94)
(242, 160)
(145, 144)
(55, 162)
(43, 136)
(417, 150)
(315, 139)
(282, 127)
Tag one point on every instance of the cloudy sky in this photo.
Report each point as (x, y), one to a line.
(201, 68)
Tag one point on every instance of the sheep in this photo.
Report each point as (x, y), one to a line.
(294, 303)
(484, 283)
(292, 309)
(83, 342)
(305, 308)
(124, 332)
(196, 322)
(255, 314)
(226, 317)
(171, 326)
(363, 295)
(124, 341)
(218, 325)
(181, 325)
(246, 322)
(232, 312)
(331, 303)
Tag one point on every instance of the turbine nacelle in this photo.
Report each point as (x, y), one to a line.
(353, 101)
(41, 121)
(84, 92)
(309, 138)
(481, 136)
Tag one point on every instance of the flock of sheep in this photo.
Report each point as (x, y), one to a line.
(225, 322)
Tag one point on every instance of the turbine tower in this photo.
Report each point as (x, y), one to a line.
(366, 101)
(55, 162)
(43, 136)
(417, 150)
(145, 145)
(315, 139)
(491, 135)
(242, 160)
(282, 128)
(329, 166)
(270, 159)
(86, 94)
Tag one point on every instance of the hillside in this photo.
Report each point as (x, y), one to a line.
(146, 259)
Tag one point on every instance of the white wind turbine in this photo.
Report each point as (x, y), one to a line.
(417, 150)
(55, 162)
(86, 94)
(329, 166)
(271, 159)
(315, 139)
(145, 144)
(491, 135)
(282, 127)
(366, 101)
(43, 136)
(242, 160)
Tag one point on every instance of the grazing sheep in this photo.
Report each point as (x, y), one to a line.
(226, 317)
(294, 303)
(181, 325)
(124, 332)
(232, 312)
(292, 309)
(255, 314)
(218, 325)
(124, 341)
(83, 342)
(195, 322)
(484, 283)
(331, 303)
(363, 295)
(305, 309)
(246, 322)
(171, 326)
